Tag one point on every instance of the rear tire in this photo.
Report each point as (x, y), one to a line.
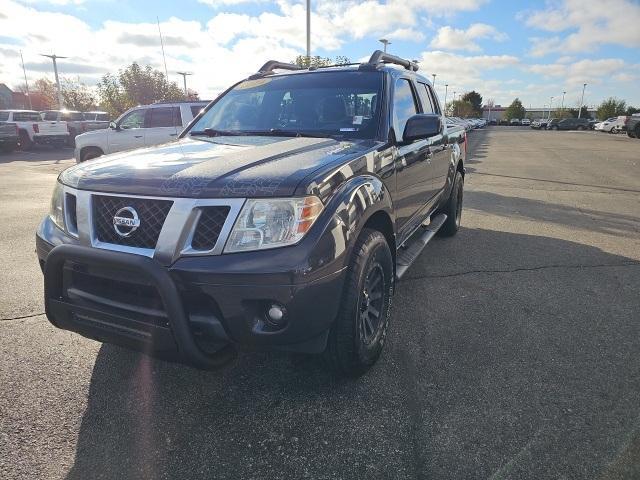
(453, 208)
(25, 141)
(580, 127)
(358, 334)
(89, 153)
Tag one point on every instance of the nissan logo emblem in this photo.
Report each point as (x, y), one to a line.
(126, 221)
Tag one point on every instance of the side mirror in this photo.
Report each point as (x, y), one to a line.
(114, 126)
(422, 126)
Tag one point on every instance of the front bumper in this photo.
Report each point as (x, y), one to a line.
(197, 311)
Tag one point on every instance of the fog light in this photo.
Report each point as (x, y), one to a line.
(276, 315)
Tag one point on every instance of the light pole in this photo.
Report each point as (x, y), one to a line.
(309, 29)
(26, 83)
(433, 84)
(446, 90)
(385, 42)
(55, 71)
(562, 106)
(184, 79)
(584, 85)
(550, 103)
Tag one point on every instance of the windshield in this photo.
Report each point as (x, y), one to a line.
(317, 104)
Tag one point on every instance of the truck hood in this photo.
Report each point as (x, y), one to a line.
(214, 167)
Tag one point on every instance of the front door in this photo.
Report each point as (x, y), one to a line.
(130, 133)
(412, 162)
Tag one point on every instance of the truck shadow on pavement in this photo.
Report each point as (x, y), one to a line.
(566, 215)
(509, 355)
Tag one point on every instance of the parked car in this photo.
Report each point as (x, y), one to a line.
(96, 120)
(514, 122)
(279, 220)
(526, 122)
(141, 126)
(33, 130)
(8, 137)
(493, 122)
(569, 124)
(540, 123)
(504, 121)
(633, 125)
(612, 125)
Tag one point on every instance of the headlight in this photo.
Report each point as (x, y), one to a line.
(56, 212)
(270, 223)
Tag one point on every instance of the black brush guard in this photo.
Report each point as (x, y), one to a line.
(175, 342)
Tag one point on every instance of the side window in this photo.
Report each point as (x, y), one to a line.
(404, 105)
(161, 117)
(425, 99)
(4, 116)
(133, 119)
(434, 100)
(52, 116)
(196, 109)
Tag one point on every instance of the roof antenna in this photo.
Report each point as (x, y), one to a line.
(166, 72)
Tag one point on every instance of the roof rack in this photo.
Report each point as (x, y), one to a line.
(271, 65)
(379, 57)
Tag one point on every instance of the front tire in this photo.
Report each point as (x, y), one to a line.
(89, 153)
(358, 334)
(453, 207)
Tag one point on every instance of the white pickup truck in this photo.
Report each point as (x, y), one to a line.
(33, 130)
(141, 126)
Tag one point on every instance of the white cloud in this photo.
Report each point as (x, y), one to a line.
(586, 70)
(409, 34)
(592, 23)
(449, 38)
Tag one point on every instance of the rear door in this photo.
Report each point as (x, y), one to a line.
(413, 175)
(438, 145)
(130, 133)
(161, 125)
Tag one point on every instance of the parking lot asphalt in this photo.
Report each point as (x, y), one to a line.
(513, 351)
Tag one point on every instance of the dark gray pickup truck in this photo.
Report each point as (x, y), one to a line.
(280, 219)
(8, 137)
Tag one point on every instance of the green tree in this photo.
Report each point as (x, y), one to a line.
(136, 85)
(475, 99)
(76, 95)
(611, 107)
(515, 110)
(632, 110)
(460, 108)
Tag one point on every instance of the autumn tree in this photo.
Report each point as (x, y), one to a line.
(317, 61)
(515, 110)
(135, 85)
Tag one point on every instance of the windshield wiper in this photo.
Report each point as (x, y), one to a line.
(272, 132)
(279, 132)
(211, 132)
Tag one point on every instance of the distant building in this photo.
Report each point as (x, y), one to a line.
(6, 97)
(497, 112)
(18, 100)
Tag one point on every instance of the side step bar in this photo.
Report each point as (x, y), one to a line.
(406, 256)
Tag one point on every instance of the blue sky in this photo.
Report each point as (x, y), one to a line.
(503, 49)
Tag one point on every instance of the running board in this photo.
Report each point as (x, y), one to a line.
(406, 256)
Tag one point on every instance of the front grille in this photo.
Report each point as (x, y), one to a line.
(209, 226)
(151, 212)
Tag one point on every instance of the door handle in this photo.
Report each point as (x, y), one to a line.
(137, 136)
(173, 134)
